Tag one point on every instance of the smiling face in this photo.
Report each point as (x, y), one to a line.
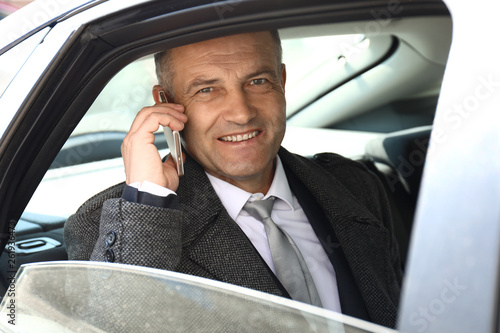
(232, 89)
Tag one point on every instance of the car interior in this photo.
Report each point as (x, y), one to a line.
(364, 88)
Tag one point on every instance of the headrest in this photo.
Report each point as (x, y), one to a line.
(405, 152)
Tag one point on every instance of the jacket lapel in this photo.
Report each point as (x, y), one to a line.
(363, 239)
(214, 242)
(351, 301)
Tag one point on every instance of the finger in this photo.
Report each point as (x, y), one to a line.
(161, 112)
(151, 123)
(174, 110)
(145, 133)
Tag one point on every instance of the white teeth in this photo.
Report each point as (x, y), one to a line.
(239, 138)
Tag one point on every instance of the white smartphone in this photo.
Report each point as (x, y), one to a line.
(173, 141)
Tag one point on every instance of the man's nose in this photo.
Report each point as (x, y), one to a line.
(238, 108)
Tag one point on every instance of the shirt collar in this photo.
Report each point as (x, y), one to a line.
(233, 198)
(279, 187)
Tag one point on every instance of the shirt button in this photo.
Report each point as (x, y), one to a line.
(110, 256)
(110, 238)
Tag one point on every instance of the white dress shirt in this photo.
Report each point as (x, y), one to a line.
(288, 214)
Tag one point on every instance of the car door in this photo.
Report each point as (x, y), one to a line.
(452, 281)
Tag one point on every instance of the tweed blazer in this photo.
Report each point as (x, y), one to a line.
(200, 238)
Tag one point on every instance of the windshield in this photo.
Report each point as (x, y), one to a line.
(102, 297)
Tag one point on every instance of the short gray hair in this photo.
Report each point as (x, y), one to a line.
(164, 71)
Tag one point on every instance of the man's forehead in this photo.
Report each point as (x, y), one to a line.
(240, 55)
(235, 50)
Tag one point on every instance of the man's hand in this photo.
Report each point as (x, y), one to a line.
(140, 156)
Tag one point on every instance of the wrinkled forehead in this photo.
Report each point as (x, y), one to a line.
(227, 50)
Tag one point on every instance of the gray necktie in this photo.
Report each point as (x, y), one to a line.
(290, 266)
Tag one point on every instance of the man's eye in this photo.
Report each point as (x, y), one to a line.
(258, 81)
(206, 90)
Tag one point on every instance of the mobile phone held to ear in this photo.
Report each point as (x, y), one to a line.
(173, 141)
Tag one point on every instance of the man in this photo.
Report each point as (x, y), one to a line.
(227, 97)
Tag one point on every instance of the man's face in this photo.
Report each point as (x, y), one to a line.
(232, 89)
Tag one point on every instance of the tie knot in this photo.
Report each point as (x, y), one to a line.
(260, 209)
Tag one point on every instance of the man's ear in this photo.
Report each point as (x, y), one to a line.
(283, 76)
(156, 90)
